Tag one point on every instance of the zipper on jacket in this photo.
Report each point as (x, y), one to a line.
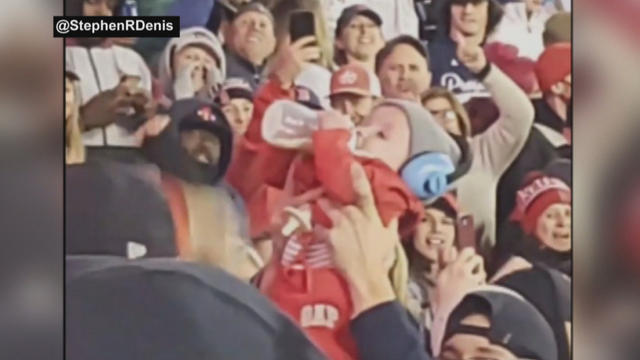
(95, 74)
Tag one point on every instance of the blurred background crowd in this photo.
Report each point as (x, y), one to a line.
(302, 179)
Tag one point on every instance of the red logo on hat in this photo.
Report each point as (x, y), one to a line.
(351, 79)
(206, 114)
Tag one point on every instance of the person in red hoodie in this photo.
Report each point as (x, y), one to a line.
(300, 278)
(272, 165)
(398, 137)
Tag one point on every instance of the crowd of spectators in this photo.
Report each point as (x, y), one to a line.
(393, 184)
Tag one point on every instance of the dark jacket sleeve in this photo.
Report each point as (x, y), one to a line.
(386, 332)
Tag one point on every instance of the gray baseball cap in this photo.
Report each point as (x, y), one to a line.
(515, 324)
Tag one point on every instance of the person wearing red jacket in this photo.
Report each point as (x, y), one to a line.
(291, 148)
(289, 131)
(272, 165)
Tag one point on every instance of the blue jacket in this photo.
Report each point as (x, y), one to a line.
(449, 73)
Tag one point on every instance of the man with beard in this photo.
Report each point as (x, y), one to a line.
(403, 68)
(250, 40)
(358, 37)
(193, 152)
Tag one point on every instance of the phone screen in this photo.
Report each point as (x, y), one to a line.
(465, 232)
(132, 82)
(301, 24)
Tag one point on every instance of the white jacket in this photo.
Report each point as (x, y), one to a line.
(100, 69)
(525, 34)
(398, 16)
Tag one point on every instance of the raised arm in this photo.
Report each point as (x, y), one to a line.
(501, 143)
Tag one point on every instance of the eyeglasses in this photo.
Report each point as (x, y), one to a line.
(447, 115)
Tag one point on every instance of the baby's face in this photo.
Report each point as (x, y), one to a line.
(386, 135)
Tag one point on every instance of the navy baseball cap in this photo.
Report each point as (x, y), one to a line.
(352, 11)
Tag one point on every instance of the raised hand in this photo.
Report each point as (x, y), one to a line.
(461, 273)
(292, 57)
(106, 107)
(185, 85)
(472, 56)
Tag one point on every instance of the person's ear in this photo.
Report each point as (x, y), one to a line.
(225, 30)
(429, 76)
(339, 43)
(557, 88)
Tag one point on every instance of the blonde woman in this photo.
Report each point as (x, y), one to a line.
(74, 149)
(447, 111)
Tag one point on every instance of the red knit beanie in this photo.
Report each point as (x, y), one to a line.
(519, 69)
(553, 65)
(535, 197)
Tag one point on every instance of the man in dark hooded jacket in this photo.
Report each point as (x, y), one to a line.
(193, 151)
(165, 309)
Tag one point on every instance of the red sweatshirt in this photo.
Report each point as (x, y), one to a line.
(317, 298)
(258, 171)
